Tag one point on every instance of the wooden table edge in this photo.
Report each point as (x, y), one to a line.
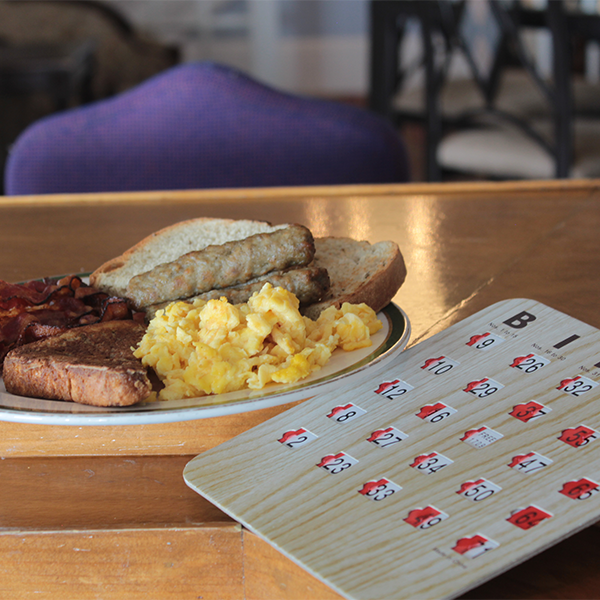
(274, 194)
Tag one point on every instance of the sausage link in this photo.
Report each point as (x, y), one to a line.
(226, 265)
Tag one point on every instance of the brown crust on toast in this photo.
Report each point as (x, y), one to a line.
(359, 272)
(91, 365)
(119, 261)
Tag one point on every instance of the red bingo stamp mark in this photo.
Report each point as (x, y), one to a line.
(345, 413)
(474, 546)
(478, 490)
(439, 365)
(386, 437)
(393, 389)
(295, 438)
(480, 438)
(529, 463)
(424, 518)
(580, 489)
(529, 410)
(483, 387)
(379, 490)
(336, 463)
(430, 463)
(526, 518)
(484, 341)
(575, 386)
(578, 436)
(530, 363)
(434, 413)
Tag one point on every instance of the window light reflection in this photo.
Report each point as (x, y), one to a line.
(424, 261)
(348, 217)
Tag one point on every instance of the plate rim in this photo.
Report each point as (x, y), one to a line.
(133, 416)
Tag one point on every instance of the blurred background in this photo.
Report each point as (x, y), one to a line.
(313, 47)
(56, 54)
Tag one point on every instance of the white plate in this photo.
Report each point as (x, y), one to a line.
(387, 343)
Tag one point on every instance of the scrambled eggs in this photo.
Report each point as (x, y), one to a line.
(215, 347)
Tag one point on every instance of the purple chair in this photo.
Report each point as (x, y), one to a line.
(203, 125)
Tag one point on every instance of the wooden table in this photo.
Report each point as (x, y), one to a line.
(103, 512)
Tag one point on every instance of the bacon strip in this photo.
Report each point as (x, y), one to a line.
(38, 309)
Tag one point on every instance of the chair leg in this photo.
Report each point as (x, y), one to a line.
(562, 88)
(384, 38)
(432, 103)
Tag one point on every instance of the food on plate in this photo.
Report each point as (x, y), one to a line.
(173, 242)
(41, 308)
(213, 347)
(91, 365)
(309, 284)
(231, 304)
(359, 272)
(341, 269)
(223, 265)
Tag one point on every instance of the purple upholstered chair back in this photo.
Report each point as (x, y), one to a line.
(203, 125)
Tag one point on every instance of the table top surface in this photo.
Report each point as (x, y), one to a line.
(104, 513)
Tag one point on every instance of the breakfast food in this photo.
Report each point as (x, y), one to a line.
(360, 272)
(41, 308)
(92, 365)
(171, 243)
(195, 259)
(216, 347)
(222, 265)
(308, 284)
(227, 305)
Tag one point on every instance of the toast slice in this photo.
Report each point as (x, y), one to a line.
(359, 272)
(170, 243)
(92, 364)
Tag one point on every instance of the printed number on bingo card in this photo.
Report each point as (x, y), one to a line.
(529, 463)
(439, 365)
(580, 489)
(434, 413)
(297, 438)
(529, 517)
(379, 490)
(336, 463)
(386, 437)
(472, 547)
(393, 389)
(478, 490)
(484, 341)
(430, 463)
(529, 410)
(480, 438)
(529, 363)
(483, 388)
(577, 385)
(425, 518)
(343, 414)
(578, 436)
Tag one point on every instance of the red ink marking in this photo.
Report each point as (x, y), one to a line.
(521, 359)
(476, 338)
(474, 384)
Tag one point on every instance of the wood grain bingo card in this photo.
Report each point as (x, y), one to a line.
(471, 452)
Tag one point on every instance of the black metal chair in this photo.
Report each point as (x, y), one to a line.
(506, 120)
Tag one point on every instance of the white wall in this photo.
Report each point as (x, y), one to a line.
(316, 47)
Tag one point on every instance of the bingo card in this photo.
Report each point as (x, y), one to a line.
(465, 455)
